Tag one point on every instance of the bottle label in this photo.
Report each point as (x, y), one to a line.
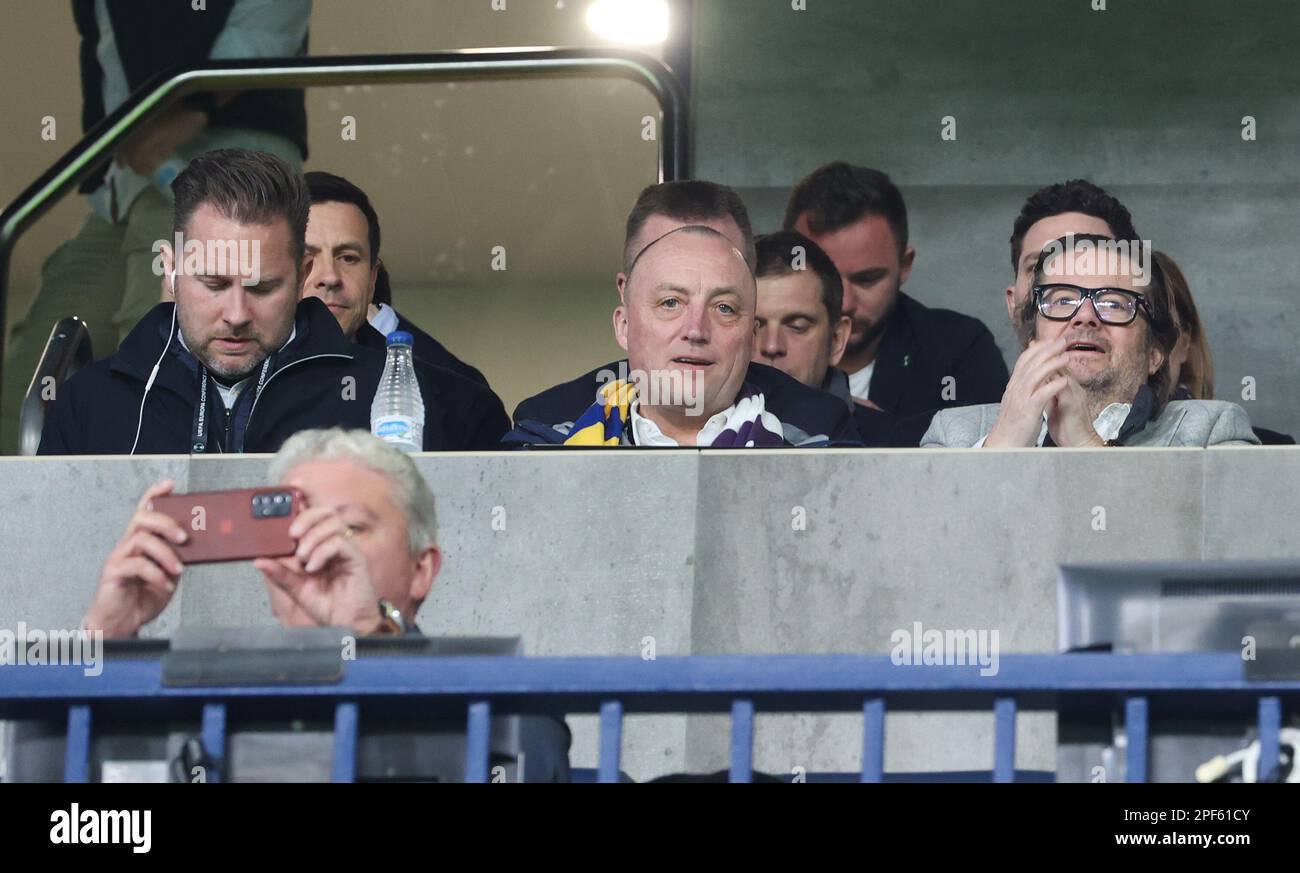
(394, 428)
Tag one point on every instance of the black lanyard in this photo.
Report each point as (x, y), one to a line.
(201, 425)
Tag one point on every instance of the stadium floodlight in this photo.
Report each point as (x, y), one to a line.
(634, 22)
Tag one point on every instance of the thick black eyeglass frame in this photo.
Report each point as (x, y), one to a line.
(1140, 301)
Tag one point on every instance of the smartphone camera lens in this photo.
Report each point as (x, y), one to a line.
(275, 505)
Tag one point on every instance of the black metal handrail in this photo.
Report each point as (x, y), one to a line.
(66, 351)
(96, 147)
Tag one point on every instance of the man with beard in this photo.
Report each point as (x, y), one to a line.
(801, 330)
(240, 362)
(1097, 364)
(902, 357)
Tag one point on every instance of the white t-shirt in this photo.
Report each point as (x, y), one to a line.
(860, 382)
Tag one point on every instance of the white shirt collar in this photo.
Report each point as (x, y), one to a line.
(385, 320)
(646, 433)
(231, 394)
(1107, 424)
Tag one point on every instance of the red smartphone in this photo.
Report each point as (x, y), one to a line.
(233, 525)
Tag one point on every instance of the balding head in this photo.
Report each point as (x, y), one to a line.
(713, 243)
(667, 206)
(689, 316)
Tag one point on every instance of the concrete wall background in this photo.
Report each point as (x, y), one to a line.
(698, 551)
(1145, 99)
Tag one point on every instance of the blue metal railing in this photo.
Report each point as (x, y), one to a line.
(480, 687)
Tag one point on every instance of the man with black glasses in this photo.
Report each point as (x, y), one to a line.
(1096, 369)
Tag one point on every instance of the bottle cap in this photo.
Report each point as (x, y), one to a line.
(400, 338)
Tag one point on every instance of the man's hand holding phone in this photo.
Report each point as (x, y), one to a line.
(326, 581)
(314, 573)
(141, 573)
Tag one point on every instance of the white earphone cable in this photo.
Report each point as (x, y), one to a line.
(154, 373)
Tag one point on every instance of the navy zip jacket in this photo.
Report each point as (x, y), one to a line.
(97, 410)
(546, 418)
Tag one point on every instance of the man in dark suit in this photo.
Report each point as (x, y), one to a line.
(902, 357)
(686, 321)
(343, 242)
(801, 330)
(239, 362)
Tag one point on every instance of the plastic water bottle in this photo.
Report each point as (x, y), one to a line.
(397, 413)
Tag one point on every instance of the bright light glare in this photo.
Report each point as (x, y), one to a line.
(634, 22)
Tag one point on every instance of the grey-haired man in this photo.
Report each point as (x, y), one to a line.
(367, 558)
(367, 543)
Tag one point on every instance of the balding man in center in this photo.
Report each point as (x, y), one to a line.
(687, 322)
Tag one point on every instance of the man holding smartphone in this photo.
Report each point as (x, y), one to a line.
(365, 555)
(366, 552)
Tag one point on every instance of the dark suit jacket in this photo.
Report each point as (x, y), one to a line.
(924, 346)
(427, 349)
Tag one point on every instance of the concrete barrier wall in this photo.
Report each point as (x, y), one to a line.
(783, 551)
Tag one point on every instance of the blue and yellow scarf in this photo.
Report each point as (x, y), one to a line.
(608, 421)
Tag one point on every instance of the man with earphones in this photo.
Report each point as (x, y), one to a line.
(240, 362)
